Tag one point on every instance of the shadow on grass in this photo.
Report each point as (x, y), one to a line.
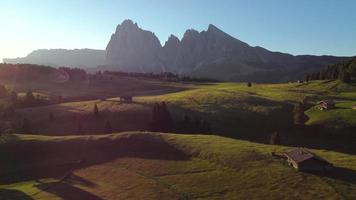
(339, 173)
(41, 159)
(74, 179)
(7, 194)
(66, 190)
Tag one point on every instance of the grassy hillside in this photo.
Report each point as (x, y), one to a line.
(163, 166)
(233, 109)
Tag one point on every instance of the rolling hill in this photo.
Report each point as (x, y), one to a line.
(70, 157)
(143, 165)
(232, 109)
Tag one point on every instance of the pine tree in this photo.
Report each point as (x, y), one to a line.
(165, 118)
(161, 118)
(307, 78)
(275, 138)
(345, 77)
(96, 111)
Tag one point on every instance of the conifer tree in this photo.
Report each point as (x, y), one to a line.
(96, 111)
(275, 138)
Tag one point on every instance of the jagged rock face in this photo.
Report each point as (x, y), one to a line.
(214, 47)
(169, 53)
(211, 53)
(133, 49)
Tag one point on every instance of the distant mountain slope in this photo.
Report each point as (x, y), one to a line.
(211, 53)
(344, 71)
(82, 58)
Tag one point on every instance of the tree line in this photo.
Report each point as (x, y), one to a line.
(344, 71)
(165, 76)
(30, 72)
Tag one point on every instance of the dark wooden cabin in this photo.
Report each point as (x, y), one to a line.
(304, 160)
(326, 104)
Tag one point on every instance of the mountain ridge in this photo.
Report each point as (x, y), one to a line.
(211, 53)
(80, 58)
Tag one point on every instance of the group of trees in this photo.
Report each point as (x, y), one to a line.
(108, 127)
(162, 121)
(165, 76)
(162, 75)
(29, 100)
(161, 118)
(74, 73)
(16, 101)
(30, 72)
(344, 71)
(24, 72)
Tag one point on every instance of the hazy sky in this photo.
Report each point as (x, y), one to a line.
(297, 27)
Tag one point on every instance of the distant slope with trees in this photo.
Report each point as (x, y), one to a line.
(344, 71)
(81, 58)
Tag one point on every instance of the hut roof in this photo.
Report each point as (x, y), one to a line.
(331, 102)
(301, 154)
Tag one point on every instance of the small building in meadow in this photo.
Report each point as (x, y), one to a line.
(304, 160)
(326, 104)
(126, 99)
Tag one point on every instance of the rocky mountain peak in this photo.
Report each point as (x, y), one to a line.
(191, 33)
(127, 25)
(172, 41)
(210, 53)
(133, 48)
(213, 28)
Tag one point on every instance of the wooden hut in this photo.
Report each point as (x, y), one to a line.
(304, 160)
(326, 104)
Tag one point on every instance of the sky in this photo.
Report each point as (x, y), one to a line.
(318, 27)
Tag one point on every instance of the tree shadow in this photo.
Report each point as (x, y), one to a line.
(44, 159)
(67, 191)
(339, 173)
(7, 194)
(74, 179)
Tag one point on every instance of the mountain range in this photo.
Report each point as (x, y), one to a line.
(81, 58)
(211, 53)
